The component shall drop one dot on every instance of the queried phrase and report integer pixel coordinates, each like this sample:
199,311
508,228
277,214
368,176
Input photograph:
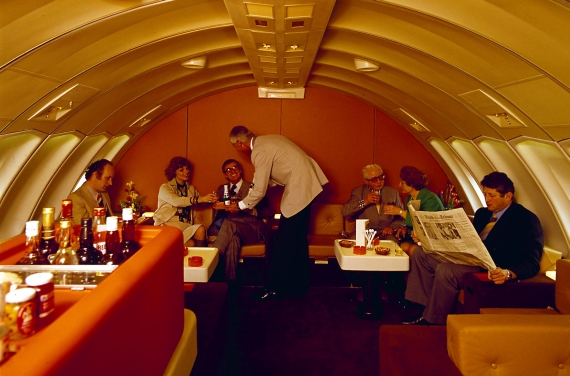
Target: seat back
326,219
562,293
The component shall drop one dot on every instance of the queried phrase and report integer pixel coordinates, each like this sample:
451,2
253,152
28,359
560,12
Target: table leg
371,306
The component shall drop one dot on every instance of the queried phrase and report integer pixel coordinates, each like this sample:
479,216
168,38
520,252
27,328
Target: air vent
64,103
492,109
265,92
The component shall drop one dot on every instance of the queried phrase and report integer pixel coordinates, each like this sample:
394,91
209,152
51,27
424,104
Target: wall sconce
365,66
195,63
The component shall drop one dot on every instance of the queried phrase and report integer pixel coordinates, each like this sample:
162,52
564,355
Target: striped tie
99,199
488,227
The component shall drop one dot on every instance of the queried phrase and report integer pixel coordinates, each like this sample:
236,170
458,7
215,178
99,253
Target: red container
195,261
359,250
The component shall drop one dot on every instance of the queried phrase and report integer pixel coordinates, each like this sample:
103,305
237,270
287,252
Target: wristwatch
401,211
509,275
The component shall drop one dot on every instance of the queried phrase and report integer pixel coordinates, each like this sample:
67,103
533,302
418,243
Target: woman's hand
209,198
401,233
394,210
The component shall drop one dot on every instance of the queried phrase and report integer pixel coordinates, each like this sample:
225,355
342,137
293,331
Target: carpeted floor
319,334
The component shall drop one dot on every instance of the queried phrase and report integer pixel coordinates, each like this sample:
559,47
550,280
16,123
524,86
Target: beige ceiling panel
143,93
75,52
26,27
465,122
537,32
15,93
259,10
450,43
541,99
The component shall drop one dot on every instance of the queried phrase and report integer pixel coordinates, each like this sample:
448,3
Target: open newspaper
449,236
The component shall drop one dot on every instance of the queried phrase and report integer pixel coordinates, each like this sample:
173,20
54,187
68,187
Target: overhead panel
280,40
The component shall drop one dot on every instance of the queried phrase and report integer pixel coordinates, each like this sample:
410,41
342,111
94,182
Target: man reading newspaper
510,233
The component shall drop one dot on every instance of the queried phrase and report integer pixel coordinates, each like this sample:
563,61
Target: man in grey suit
368,200
98,176
277,160
233,228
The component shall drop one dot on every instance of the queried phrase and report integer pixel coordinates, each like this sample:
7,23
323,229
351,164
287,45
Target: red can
43,284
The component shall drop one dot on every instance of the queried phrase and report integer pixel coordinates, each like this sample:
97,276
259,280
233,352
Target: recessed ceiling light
195,63
365,65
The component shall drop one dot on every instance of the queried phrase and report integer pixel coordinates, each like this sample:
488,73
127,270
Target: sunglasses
376,179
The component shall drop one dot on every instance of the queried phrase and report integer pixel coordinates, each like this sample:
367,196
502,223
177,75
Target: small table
200,273
371,307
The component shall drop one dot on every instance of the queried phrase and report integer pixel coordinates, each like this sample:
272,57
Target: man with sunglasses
233,228
367,202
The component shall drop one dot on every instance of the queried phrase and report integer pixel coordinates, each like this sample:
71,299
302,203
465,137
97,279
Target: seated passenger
93,193
413,183
175,200
368,200
232,227
511,233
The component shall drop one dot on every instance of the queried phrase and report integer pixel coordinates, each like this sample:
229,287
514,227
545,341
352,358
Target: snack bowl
383,251
346,243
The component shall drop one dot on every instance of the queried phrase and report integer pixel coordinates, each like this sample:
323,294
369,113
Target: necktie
233,190
488,227
99,199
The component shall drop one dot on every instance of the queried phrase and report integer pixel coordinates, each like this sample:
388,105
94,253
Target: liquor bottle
32,255
66,254
128,246
113,256
67,215
48,244
226,194
87,253
99,229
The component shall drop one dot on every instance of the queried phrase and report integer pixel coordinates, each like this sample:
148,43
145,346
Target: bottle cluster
94,241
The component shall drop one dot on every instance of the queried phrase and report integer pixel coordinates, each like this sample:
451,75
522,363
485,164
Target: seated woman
175,200
413,182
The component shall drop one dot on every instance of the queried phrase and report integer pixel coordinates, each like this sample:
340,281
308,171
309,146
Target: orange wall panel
341,133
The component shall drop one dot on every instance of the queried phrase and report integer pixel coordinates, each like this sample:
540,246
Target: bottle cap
86,222
32,228
39,279
20,295
64,224
112,223
99,211
66,208
127,214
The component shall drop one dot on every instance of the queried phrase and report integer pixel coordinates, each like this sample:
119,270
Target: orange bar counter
130,324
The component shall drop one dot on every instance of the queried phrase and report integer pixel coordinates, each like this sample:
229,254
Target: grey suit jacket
84,203
377,220
278,159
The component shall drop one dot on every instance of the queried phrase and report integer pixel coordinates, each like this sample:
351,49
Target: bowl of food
346,243
383,251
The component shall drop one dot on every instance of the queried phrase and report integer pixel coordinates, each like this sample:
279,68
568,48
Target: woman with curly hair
175,200
413,182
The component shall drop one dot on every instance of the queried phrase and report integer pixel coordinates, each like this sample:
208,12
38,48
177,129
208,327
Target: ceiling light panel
284,33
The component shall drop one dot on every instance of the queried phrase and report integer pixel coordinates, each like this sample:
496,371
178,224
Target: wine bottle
99,229
87,253
67,215
226,194
48,243
113,255
66,255
128,246
32,255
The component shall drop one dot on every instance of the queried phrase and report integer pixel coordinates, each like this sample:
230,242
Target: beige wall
341,133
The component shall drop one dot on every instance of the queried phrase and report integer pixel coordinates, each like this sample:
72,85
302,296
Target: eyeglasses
233,168
376,179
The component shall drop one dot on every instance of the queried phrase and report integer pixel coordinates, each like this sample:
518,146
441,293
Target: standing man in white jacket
278,159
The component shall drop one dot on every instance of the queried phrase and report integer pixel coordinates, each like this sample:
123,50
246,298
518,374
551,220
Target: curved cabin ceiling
478,82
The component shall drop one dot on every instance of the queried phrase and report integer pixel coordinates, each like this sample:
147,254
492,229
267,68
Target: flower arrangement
134,200
450,198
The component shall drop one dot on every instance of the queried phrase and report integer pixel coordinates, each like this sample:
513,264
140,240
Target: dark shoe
264,295
416,320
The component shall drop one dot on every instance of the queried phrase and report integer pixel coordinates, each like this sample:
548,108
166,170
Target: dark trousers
289,259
